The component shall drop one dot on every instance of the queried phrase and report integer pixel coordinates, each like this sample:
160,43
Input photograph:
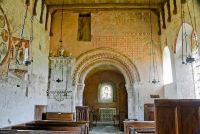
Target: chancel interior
79,66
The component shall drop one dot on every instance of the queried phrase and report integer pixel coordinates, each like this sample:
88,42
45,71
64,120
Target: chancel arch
101,57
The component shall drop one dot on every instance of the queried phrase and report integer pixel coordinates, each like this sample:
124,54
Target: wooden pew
130,127
144,131
49,128
37,132
149,110
58,116
177,116
53,125
84,125
82,113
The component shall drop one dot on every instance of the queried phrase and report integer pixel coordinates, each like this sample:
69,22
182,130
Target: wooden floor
105,128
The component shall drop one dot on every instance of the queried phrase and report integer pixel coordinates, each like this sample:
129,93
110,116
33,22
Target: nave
171,116
67,66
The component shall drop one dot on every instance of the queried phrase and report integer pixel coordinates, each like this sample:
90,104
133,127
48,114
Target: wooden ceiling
103,4
59,2
157,6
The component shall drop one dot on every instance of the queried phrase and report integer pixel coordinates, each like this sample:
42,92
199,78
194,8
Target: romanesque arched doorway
109,57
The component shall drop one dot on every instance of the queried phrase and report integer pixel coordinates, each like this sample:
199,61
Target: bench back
177,116
60,116
138,125
37,132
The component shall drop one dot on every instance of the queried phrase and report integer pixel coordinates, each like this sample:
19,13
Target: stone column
131,112
73,98
132,101
79,98
136,88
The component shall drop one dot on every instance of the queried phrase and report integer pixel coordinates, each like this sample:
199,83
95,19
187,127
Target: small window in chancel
105,93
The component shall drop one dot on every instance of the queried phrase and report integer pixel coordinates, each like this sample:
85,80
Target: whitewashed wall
61,69
17,102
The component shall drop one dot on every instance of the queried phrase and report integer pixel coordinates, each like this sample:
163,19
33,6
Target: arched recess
184,72
105,56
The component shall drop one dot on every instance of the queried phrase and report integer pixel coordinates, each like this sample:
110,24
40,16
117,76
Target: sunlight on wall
196,67
184,69
167,67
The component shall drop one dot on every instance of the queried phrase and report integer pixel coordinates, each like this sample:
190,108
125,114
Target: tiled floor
105,129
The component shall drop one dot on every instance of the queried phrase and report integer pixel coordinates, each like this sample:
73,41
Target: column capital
80,85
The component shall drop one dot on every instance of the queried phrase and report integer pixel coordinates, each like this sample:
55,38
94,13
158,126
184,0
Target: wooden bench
177,116
130,127
84,125
141,131
37,132
53,125
149,110
51,128
58,116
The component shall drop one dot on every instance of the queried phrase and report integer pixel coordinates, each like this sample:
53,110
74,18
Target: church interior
81,66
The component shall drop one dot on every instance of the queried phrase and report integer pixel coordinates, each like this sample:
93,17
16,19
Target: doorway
106,96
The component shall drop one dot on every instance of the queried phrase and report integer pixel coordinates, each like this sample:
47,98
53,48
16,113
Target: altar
107,114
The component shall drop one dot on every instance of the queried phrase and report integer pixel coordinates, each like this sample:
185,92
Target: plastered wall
184,81
19,95
125,31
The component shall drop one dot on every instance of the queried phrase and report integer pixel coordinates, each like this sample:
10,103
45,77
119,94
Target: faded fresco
12,48
4,43
16,66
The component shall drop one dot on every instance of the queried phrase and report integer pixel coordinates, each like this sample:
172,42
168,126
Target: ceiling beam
34,7
169,11
42,11
163,15
99,6
157,12
47,18
175,7
51,23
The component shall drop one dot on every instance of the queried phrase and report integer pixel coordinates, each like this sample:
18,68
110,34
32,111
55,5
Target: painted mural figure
106,93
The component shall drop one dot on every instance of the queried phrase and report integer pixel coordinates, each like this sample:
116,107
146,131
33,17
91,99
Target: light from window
167,67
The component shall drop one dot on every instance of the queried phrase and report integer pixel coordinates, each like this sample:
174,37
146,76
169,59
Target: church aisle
105,129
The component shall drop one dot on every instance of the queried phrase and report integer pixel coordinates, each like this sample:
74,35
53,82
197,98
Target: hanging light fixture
61,49
153,76
185,37
60,67
59,94
26,61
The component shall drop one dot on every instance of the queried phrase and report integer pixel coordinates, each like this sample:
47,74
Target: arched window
105,93
167,67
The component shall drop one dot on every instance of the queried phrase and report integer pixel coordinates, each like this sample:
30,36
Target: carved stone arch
106,56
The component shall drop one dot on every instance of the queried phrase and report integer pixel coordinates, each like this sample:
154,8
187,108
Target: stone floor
105,129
